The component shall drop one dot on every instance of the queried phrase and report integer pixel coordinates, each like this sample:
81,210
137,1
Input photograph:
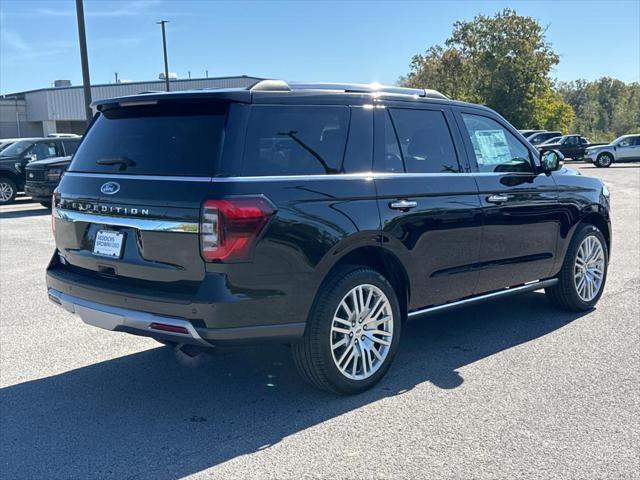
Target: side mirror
550,161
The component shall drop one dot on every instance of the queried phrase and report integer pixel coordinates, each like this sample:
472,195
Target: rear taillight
229,227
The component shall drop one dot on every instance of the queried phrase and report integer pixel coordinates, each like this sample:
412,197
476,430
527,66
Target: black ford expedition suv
323,216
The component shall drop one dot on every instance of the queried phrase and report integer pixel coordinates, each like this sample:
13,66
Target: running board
528,287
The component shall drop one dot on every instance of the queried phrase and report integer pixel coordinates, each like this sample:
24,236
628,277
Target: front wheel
8,191
604,160
352,333
584,272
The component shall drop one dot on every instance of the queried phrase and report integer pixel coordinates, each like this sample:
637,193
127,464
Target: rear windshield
171,139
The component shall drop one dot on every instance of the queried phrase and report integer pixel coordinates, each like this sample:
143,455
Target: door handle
403,205
497,198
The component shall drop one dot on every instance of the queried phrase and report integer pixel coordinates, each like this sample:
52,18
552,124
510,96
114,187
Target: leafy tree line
605,108
504,61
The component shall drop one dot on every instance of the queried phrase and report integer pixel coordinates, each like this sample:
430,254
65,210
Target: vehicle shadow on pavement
37,211
145,416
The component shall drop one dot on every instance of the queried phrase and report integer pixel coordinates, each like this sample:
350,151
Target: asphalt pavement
509,389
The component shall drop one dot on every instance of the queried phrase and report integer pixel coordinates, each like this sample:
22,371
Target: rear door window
165,139
425,141
295,140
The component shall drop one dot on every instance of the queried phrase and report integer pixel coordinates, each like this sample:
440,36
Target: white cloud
128,9
14,40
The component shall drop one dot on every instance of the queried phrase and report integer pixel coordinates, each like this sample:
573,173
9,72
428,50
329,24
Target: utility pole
86,81
116,74
189,74
207,73
164,48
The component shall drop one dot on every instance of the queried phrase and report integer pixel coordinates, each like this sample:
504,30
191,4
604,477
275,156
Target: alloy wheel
605,160
361,332
6,192
588,270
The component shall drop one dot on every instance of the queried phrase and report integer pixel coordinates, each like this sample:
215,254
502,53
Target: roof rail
283,86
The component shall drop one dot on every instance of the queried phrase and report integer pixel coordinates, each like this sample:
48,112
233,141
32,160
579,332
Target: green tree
605,108
502,61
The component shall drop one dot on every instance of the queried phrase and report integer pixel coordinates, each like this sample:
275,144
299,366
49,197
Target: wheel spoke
347,353
342,342
346,331
344,322
346,308
380,341
377,322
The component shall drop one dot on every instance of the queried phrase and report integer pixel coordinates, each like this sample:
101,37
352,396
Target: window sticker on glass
491,147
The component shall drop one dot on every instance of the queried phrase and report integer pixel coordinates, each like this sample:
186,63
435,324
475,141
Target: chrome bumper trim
110,318
153,225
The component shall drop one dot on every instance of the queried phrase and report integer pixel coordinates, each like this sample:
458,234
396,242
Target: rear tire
46,205
8,191
337,353
604,160
583,275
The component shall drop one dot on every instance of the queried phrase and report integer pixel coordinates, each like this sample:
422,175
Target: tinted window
295,140
496,149
359,154
425,141
70,146
167,139
627,142
16,148
44,150
392,157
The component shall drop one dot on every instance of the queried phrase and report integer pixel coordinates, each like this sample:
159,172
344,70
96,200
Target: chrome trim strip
145,224
339,176
535,285
115,176
109,318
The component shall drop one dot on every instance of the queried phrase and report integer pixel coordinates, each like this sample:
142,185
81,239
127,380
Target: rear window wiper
124,162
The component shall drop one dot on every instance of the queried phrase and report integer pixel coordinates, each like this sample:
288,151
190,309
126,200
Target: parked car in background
572,146
541,137
301,214
5,142
623,149
528,133
551,140
14,159
43,176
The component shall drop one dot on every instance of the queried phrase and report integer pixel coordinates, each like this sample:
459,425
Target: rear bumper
158,326
214,316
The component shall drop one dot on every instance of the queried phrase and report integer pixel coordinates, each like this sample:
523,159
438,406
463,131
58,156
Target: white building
40,112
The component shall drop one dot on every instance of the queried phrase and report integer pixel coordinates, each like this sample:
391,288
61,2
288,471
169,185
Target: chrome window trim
116,176
145,224
272,178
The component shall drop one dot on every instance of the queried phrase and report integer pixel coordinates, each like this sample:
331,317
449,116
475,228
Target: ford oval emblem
110,188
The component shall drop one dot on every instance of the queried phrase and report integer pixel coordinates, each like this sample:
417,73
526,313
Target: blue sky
324,41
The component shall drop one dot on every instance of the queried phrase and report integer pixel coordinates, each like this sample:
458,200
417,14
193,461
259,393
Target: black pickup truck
15,158
571,146
43,177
